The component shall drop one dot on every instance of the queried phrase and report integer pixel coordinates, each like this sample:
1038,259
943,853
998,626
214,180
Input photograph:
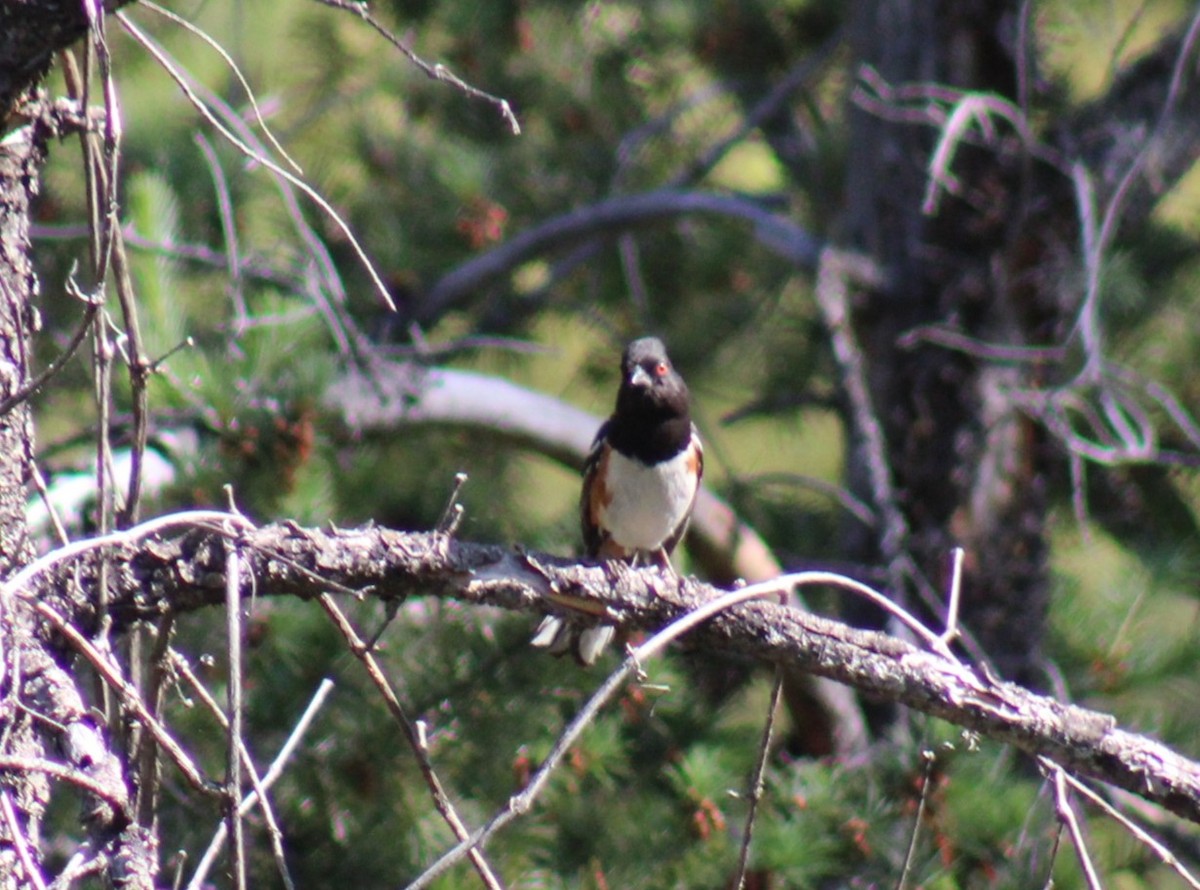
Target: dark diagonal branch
612,217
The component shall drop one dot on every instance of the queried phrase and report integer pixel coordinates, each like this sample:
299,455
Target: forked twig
268,779
438,71
237,72
160,56
259,795
1165,855
413,733
128,695
1062,805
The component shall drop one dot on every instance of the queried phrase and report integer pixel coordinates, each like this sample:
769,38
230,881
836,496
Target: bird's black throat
650,432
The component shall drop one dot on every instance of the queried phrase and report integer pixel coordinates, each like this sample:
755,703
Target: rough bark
992,263
188,572
30,33
21,155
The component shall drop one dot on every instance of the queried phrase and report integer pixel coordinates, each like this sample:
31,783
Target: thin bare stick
835,271
436,71
1088,322
1062,805
228,231
756,781
452,515
17,835
1160,850
951,631
842,496
164,60
930,758
413,735
149,773
139,371
233,778
181,666
237,72
81,865
56,364
65,773
272,774
39,482
128,695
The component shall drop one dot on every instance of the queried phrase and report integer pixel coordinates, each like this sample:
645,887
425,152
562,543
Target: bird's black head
651,389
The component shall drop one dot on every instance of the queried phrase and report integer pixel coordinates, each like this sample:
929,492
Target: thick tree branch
187,572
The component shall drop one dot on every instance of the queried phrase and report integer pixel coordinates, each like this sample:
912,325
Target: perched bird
639,484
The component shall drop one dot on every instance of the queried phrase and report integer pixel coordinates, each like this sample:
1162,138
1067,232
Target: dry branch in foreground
187,571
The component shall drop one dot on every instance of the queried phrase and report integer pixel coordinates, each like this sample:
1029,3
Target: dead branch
186,572
612,217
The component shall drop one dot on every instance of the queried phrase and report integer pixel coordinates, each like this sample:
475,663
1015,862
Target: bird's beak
639,377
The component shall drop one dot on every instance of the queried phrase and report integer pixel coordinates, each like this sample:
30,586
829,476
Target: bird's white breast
648,502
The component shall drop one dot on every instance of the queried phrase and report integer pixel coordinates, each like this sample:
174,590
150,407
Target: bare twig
951,631
147,753
452,515
57,364
181,666
17,835
436,71
413,735
182,81
836,273
841,495
81,865
614,216
128,695
233,777
237,295
268,779
971,108
756,780
910,855
192,28
1160,850
59,771
39,482
1062,805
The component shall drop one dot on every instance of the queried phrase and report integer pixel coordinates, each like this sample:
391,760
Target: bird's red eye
661,369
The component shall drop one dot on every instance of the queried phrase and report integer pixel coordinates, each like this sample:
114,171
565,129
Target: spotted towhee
639,484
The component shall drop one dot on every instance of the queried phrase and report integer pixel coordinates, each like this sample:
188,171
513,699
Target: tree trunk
967,469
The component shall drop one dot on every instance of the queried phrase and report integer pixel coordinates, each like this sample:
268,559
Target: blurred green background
613,98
